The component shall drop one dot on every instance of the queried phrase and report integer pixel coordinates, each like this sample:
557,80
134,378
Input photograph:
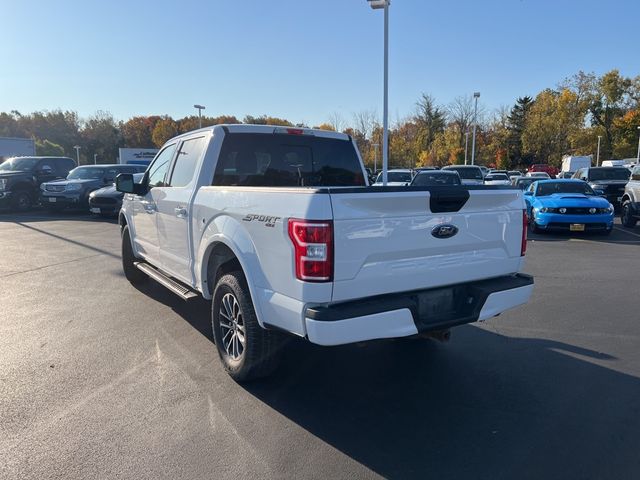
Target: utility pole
598,154
466,145
77,147
200,108
95,158
375,157
476,95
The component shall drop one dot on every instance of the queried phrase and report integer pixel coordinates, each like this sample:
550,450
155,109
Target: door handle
181,212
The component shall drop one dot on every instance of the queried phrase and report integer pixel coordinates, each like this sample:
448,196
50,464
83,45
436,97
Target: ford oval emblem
444,231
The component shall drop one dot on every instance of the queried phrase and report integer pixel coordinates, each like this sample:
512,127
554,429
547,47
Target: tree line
563,120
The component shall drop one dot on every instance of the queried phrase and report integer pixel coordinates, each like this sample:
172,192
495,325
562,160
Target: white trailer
572,164
138,156
16,147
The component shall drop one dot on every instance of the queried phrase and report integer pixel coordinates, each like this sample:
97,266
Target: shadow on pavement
482,406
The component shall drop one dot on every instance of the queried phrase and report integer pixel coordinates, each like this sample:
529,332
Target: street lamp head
476,94
377,4
201,107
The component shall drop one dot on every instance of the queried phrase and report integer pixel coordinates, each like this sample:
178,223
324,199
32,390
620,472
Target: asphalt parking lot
99,379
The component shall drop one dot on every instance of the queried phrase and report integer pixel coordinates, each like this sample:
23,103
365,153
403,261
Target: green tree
430,119
47,148
101,136
516,124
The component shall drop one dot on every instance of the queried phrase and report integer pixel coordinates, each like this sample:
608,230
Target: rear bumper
409,313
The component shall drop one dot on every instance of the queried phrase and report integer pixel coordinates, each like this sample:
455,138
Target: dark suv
75,189
611,180
630,213
20,178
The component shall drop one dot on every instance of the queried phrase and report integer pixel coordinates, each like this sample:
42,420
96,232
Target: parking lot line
626,231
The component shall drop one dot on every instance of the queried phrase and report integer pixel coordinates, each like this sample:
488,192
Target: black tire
626,217
21,201
259,354
134,275
532,224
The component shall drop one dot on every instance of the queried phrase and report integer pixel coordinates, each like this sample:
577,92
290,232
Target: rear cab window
281,160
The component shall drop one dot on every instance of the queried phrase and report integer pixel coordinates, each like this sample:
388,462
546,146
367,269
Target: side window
46,164
186,162
65,165
110,174
635,175
159,167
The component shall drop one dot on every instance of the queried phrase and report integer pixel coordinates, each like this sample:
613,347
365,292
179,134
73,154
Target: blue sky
299,59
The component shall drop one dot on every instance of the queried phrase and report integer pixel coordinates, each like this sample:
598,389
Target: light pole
638,156
466,145
77,147
200,108
95,158
476,95
598,154
375,157
377,4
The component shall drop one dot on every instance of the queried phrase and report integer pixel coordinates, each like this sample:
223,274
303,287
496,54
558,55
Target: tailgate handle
449,200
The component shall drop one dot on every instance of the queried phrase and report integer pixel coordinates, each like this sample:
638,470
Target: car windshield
17,164
85,173
468,173
496,176
524,183
404,177
609,174
549,188
430,179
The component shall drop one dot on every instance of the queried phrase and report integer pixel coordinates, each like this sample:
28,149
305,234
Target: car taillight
523,247
313,249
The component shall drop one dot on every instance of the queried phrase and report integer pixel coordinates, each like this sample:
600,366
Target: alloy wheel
232,326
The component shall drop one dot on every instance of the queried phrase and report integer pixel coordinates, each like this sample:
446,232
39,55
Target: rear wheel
626,215
247,350
22,201
134,275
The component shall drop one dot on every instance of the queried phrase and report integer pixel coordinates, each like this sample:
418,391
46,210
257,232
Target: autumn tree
138,131
164,129
101,135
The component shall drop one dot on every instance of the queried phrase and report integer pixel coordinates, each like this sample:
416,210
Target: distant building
16,147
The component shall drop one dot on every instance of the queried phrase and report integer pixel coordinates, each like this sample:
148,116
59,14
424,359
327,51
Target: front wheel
533,225
22,201
132,274
626,216
247,350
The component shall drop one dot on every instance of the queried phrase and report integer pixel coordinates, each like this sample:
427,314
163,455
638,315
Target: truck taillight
313,249
523,247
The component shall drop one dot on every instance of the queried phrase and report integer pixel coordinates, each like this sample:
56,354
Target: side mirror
124,183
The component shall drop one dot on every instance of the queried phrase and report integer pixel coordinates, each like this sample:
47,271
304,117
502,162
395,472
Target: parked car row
56,183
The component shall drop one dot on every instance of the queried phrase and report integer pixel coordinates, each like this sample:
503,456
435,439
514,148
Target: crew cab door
144,207
174,210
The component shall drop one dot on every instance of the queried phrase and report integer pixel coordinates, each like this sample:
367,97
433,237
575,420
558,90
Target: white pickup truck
279,227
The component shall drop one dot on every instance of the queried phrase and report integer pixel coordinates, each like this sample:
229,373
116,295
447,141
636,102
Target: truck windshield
404,177
284,160
85,173
609,174
549,188
19,164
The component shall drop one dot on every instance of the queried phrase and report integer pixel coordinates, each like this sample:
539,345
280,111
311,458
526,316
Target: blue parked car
567,205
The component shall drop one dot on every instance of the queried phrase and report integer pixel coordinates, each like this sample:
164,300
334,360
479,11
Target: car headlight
609,209
3,183
549,210
72,187
544,210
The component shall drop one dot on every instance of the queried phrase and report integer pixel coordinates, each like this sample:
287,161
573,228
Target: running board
167,282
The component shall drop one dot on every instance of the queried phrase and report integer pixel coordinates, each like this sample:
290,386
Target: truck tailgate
385,242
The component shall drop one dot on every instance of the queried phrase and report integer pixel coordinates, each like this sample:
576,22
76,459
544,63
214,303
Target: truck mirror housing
124,183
